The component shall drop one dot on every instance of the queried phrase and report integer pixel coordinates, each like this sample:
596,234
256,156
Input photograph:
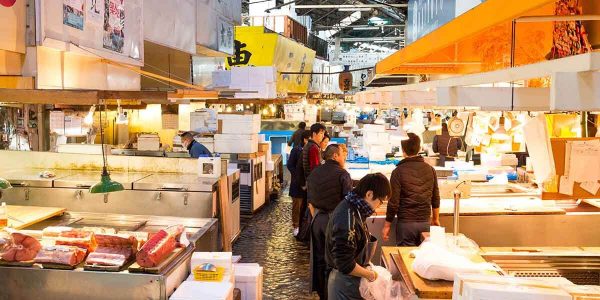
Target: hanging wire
512,62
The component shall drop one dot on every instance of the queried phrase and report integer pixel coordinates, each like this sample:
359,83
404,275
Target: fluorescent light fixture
366,28
354,9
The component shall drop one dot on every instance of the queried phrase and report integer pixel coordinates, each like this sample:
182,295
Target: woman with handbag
349,245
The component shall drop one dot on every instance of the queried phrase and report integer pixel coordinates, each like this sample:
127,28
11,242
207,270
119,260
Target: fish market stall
87,255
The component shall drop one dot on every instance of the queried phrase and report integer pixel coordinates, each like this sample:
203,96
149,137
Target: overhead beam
372,39
336,6
323,27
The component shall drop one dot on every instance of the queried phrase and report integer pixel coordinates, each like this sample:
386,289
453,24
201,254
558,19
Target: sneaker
296,231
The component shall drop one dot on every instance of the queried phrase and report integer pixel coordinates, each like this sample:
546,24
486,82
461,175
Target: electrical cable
330,73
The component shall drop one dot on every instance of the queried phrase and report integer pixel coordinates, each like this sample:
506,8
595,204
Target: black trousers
409,233
320,271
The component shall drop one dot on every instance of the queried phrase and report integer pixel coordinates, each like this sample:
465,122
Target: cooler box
238,123
249,279
198,290
236,143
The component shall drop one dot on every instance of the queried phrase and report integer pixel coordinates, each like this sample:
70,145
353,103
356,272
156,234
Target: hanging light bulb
501,134
89,118
106,185
4,184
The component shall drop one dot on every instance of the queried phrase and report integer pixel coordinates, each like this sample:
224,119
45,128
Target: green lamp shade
106,185
4,184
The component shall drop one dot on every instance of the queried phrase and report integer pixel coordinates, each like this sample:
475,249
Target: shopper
347,237
415,196
446,146
325,142
311,153
196,149
297,193
296,138
327,186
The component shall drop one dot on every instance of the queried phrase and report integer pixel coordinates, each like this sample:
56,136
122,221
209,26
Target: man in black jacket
415,196
297,182
327,186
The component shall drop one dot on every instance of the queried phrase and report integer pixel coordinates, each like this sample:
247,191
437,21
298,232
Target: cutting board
135,268
424,289
20,217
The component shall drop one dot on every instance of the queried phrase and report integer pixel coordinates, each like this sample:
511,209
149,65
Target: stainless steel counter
39,283
182,195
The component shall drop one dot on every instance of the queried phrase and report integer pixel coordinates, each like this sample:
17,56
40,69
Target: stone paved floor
267,239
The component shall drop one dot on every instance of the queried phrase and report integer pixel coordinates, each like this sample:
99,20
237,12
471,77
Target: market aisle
267,239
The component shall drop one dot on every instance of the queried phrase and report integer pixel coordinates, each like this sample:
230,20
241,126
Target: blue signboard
425,16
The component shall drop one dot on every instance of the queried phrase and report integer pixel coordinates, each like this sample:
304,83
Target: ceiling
327,15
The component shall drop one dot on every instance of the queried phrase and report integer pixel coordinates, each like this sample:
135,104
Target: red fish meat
117,241
78,238
24,248
158,247
62,255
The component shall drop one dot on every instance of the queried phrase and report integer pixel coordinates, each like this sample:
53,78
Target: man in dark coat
447,146
297,192
415,196
327,186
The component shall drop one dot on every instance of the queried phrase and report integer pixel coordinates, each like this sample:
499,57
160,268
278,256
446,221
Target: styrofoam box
199,290
236,143
489,287
238,123
148,143
219,259
209,167
249,279
270,166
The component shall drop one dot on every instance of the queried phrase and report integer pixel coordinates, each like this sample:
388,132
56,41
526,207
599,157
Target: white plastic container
236,143
148,142
219,259
238,123
249,279
198,290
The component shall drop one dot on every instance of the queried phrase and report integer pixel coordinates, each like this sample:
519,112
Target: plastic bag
384,288
434,262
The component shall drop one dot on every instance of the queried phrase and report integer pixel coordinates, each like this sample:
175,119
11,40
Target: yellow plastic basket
201,275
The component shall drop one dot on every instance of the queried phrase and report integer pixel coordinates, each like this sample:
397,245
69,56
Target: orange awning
476,41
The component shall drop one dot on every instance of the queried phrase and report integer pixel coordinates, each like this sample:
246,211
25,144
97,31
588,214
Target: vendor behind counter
196,149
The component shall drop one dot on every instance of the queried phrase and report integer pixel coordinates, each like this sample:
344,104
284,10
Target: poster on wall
73,13
225,37
114,25
95,11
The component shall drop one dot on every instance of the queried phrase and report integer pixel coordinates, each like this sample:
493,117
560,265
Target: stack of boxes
247,277
376,141
237,133
203,121
254,82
